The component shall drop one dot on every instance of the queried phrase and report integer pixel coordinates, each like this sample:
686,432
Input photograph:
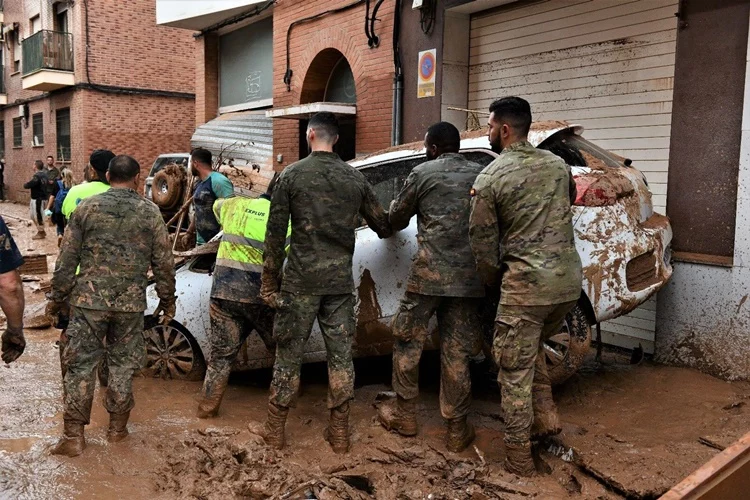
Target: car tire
172,352
566,351
166,189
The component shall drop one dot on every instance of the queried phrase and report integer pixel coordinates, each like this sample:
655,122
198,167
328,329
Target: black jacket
38,186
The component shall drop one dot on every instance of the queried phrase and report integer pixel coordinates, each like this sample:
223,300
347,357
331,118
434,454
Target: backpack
62,192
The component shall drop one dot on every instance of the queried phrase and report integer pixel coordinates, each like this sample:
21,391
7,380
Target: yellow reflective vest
243,221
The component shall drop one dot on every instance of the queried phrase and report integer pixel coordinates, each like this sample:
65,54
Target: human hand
48,213
13,344
167,311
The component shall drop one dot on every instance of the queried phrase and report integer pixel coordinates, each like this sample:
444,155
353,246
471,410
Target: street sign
426,70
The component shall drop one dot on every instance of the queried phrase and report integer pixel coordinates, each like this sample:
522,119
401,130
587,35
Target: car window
578,152
203,263
387,179
160,163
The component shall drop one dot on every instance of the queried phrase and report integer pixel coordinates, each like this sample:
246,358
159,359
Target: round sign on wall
427,66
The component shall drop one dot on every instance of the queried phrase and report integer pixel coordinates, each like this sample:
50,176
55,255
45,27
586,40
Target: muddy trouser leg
460,339
126,353
337,323
81,355
552,325
409,328
60,221
226,337
518,331
294,320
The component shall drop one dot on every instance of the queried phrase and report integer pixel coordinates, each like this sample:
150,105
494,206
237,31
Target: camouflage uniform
443,281
325,198
115,237
521,228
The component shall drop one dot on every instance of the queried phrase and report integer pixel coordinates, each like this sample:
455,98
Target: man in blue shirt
11,296
211,187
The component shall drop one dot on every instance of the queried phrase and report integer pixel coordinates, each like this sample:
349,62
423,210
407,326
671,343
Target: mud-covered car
623,244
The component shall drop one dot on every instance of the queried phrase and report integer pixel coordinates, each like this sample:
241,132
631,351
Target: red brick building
91,74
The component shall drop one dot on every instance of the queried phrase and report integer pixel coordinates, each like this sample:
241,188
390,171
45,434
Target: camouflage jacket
325,197
521,227
437,192
115,237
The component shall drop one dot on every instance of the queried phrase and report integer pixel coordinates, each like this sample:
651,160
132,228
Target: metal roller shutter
606,64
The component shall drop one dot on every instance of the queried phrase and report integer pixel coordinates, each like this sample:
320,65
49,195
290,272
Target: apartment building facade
86,74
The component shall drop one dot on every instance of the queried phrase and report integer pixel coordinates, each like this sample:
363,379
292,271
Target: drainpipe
398,81
398,89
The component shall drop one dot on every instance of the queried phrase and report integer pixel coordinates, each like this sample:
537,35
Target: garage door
606,64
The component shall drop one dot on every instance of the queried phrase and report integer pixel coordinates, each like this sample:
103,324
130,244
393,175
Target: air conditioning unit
22,111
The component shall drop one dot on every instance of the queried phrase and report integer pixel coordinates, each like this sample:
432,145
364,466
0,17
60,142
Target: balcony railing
47,49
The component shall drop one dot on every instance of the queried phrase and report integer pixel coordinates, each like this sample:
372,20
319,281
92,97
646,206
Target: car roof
182,155
476,139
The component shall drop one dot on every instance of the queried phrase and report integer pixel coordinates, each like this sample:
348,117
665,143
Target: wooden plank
640,24
626,132
613,15
700,258
614,112
592,124
637,80
628,144
637,333
660,42
34,264
629,321
725,477
661,97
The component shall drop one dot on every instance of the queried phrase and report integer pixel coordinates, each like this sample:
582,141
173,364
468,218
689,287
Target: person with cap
115,238
96,177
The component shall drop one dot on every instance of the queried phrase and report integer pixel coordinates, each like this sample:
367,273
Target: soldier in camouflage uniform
443,282
325,198
522,235
115,237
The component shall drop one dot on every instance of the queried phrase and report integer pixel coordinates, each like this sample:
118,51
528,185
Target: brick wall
126,48
372,69
206,78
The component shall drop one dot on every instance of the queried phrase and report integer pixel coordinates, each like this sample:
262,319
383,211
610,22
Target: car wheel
565,351
172,353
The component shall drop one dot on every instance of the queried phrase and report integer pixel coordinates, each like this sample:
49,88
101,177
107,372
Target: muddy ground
629,430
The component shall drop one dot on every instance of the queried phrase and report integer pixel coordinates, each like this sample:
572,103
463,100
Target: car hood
475,139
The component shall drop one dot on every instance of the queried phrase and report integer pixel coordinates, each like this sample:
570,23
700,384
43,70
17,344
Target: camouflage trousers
295,316
93,336
231,324
518,349
460,338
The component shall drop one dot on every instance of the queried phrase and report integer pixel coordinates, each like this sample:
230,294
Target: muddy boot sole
261,430
116,437
69,447
338,447
206,410
390,419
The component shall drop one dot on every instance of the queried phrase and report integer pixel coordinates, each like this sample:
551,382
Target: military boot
399,416
118,427
460,434
211,400
72,443
518,459
40,235
272,431
546,422
337,433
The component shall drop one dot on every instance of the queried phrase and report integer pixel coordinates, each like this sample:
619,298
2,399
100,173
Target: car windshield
578,152
162,162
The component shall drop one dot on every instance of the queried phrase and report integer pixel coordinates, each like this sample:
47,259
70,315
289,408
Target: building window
63,134
36,24
2,139
37,121
17,131
61,21
246,66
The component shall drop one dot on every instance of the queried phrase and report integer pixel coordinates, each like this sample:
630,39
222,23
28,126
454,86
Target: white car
623,244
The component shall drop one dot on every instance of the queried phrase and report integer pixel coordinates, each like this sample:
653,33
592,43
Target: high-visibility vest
243,221
81,192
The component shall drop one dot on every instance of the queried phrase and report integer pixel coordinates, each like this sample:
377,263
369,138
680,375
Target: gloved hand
48,213
13,344
167,311
269,291
271,299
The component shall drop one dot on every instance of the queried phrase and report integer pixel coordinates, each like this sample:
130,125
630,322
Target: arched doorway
330,79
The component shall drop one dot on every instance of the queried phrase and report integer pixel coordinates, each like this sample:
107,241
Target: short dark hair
123,168
326,125
514,111
39,164
445,136
202,155
50,156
